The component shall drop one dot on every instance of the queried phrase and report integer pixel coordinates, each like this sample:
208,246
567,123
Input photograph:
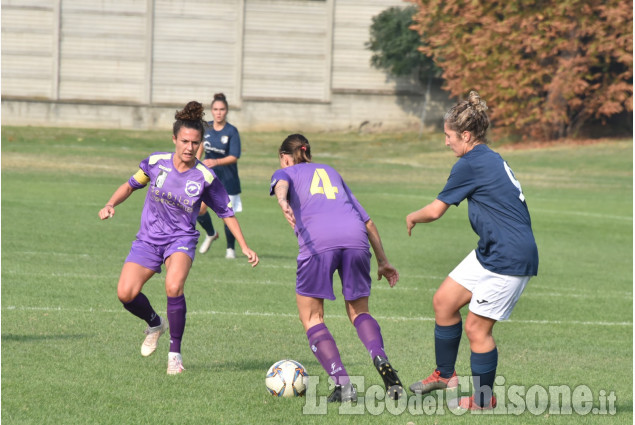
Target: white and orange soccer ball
286,378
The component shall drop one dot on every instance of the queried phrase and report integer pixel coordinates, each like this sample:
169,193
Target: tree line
546,67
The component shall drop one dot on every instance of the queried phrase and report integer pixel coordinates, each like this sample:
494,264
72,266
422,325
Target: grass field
70,352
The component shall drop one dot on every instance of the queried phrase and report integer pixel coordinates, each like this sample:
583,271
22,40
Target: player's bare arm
281,190
384,268
234,227
431,212
121,194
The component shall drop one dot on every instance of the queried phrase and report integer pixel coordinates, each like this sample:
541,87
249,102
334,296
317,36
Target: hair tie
303,148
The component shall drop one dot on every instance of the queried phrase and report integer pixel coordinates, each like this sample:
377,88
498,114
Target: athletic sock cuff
314,329
448,332
484,362
360,318
176,300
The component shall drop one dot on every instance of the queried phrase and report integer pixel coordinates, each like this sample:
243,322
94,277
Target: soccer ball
286,378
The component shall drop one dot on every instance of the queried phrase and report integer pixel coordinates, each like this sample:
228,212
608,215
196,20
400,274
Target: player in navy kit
333,232
220,151
167,234
492,277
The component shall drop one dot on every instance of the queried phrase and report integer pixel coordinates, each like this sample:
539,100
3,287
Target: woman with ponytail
220,151
492,277
333,232
179,183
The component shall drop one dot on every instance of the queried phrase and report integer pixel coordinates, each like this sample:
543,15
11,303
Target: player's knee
310,320
441,305
475,334
125,296
173,289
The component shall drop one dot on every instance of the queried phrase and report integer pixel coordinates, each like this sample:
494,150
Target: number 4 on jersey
326,189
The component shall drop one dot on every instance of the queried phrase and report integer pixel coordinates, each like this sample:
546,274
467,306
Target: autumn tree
544,66
395,49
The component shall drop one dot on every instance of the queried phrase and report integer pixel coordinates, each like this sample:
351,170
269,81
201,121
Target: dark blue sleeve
460,184
234,143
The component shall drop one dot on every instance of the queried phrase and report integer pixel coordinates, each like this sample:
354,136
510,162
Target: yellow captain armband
141,177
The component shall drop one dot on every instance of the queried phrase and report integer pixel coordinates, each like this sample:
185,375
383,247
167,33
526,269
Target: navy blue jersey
220,144
497,210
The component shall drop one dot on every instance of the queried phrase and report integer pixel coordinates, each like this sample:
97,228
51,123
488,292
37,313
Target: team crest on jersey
161,179
192,188
224,139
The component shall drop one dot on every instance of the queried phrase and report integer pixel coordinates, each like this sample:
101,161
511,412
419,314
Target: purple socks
369,333
325,350
176,319
141,308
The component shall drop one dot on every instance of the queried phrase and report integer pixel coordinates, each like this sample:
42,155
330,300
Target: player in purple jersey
493,276
333,232
167,234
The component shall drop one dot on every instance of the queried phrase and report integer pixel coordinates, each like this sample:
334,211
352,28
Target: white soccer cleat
152,338
231,254
175,364
207,242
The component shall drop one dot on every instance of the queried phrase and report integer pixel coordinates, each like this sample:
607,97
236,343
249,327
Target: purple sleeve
215,197
362,212
141,178
278,175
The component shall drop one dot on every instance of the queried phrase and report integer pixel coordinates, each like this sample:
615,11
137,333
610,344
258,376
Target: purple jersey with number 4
327,215
174,198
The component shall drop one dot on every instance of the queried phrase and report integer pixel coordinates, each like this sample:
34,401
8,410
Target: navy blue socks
484,374
446,347
206,223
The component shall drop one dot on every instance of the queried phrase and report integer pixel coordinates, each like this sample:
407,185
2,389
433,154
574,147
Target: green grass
70,352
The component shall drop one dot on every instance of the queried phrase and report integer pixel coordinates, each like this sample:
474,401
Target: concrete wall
283,64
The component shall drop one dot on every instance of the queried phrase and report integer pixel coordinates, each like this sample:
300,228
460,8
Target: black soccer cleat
344,394
394,389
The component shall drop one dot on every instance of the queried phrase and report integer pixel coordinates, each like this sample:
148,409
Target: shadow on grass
30,338
279,257
238,365
625,406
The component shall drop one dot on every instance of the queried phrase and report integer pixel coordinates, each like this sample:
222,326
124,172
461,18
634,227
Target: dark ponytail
298,147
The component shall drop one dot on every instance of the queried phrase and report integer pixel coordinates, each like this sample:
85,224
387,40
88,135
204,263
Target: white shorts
493,295
237,204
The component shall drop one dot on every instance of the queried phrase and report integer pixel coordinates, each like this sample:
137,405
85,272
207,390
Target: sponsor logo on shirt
161,179
192,188
213,149
184,248
173,200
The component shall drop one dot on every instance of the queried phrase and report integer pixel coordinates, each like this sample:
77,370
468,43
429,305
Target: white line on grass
378,286
294,316
583,214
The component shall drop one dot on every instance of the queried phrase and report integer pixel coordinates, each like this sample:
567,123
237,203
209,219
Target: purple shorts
152,256
315,274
